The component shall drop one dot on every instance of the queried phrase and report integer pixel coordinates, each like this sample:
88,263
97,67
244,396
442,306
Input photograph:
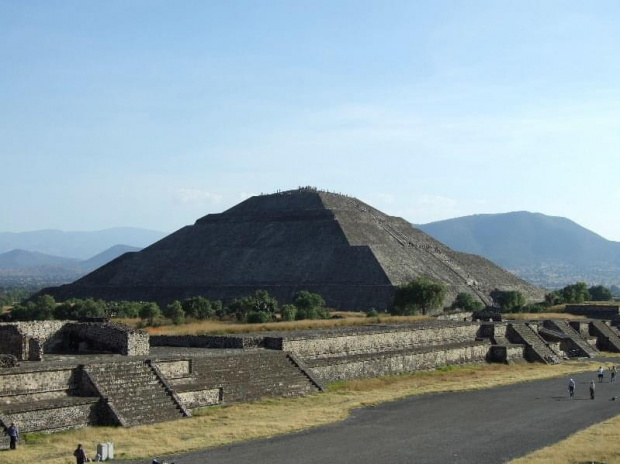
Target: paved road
486,426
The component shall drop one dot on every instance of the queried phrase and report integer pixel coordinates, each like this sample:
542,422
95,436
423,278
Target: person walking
613,373
13,434
80,455
601,374
571,388
592,388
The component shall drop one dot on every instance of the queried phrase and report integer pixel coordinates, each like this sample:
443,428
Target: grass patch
598,443
238,422
228,327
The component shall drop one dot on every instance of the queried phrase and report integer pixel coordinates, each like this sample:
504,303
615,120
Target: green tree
508,301
576,293
467,302
149,311
421,295
600,293
198,307
174,311
288,312
310,306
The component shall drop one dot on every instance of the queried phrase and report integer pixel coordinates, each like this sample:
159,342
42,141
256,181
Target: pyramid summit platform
306,239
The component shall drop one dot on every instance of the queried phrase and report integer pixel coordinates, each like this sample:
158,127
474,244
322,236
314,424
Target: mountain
78,245
106,256
545,250
21,260
32,268
349,252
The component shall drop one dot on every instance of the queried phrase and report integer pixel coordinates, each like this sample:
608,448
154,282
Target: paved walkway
475,427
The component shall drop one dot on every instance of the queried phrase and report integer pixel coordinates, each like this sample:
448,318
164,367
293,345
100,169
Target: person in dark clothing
13,434
613,374
592,388
571,388
80,455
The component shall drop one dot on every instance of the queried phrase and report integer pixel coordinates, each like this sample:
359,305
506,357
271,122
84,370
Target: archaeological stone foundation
60,375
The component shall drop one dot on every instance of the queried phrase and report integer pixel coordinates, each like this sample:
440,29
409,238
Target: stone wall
594,311
506,353
29,341
49,417
377,340
29,384
201,398
209,341
353,367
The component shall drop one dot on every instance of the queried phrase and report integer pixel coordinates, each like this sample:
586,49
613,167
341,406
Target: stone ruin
28,341
137,386
349,252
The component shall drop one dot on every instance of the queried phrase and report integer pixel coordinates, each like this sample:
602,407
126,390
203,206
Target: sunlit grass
228,327
598,443
224,425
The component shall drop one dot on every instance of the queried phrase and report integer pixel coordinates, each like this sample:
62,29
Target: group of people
601,378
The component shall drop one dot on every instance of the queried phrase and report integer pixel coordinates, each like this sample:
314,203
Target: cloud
192,196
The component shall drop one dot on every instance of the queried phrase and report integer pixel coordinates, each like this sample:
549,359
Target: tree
467,302
509,301
174,311
149,311
261,301
576,293
310,306
288,312
198,307
421,295
600,293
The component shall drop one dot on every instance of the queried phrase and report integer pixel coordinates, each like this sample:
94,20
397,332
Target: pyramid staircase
581,348
135,393
536,348
607,338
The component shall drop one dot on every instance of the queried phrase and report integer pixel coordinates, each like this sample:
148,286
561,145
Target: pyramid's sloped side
491,277
231,255
351,253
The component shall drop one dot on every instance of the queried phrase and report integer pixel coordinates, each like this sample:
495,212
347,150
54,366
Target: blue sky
155,113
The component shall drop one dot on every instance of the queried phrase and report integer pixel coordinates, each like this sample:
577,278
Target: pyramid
349,252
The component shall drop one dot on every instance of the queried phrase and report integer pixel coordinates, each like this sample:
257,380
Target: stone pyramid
351,253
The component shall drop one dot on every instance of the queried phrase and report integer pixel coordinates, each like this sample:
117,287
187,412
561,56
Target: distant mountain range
53,257
30,267
545,250
77,245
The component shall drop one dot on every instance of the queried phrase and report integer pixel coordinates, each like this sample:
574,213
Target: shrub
258,317
288,312
421,295
467,302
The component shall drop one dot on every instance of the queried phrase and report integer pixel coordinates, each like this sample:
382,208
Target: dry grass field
230,327
596,444
223,425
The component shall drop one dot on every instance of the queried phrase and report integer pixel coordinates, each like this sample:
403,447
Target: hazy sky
155,113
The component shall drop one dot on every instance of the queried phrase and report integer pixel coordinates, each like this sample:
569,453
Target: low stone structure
29,341
197,371
595,311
